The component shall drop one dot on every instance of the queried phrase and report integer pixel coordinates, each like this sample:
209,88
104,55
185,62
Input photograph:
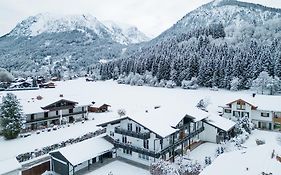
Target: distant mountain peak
53,23
131,32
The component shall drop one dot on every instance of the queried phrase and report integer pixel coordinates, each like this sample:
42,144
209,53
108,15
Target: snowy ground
119,168
257,158
206,149
12,148
131,98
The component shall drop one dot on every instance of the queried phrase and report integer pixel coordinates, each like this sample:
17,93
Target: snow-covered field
132,98
119,168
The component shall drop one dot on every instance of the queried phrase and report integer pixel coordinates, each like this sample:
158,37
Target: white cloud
150,16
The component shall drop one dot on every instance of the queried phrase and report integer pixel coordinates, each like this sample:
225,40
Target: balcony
136,149
180,141
54,117
132,133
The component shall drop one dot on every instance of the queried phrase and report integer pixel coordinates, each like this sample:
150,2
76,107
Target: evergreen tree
12,116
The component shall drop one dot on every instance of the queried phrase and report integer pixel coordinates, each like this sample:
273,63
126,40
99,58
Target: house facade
56,113
141,143
262,117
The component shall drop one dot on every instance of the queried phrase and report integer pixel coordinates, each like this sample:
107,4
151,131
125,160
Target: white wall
209,134
135,157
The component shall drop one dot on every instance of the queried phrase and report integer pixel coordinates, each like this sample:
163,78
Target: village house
160,133
265,115
53,113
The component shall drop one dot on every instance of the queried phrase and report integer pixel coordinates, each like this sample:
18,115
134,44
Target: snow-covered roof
9,165
31,104
256,160
163,119
220,122
263,102
85,150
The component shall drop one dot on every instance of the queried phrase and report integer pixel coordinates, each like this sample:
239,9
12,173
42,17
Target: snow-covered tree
274,86
244,123
11,115
121,112
170,84
234,84
203,104
191,84
261,82
5,76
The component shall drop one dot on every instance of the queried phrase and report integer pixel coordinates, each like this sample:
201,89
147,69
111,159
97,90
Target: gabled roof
85,150
163,121
253,106
53,105
220,122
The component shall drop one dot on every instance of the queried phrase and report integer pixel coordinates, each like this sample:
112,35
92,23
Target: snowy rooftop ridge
220,122
85,150
168,116
262,102
9,165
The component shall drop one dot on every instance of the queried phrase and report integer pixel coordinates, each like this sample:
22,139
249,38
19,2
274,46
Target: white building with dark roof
264,113
71,159
159,133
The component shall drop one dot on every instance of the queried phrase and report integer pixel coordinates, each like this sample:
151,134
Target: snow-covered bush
191,84
121,112
244,123
170,84
5,76
203,104
179,167
153,82
162,83
121,79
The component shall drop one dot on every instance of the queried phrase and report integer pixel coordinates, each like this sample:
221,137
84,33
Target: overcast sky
151,16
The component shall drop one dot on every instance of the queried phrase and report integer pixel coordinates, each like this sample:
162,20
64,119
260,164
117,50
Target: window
139,155
83,109
265,114
111,133
138,129
241,105
245,114
57,112
236,113
45,114
32,117
227,110
124,139
70,110
146,144
130,128
127,151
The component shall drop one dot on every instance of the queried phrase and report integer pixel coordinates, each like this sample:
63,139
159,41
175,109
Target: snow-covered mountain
68,41
234,15
219,42
132,33
50,23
